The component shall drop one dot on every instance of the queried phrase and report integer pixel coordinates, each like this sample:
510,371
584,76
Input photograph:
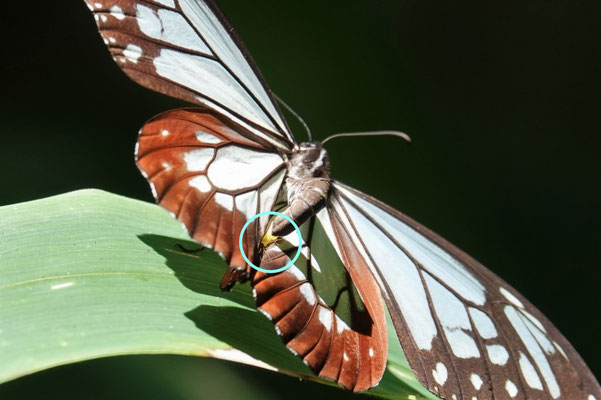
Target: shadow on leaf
200,271
241,328
247,331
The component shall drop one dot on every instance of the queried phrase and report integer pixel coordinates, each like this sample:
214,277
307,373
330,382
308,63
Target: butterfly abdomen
307,186
305,198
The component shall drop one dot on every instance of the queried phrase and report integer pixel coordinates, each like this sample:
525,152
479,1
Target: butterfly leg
234,275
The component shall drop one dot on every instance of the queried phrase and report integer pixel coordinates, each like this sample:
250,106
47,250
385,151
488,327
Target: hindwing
331,316
211,176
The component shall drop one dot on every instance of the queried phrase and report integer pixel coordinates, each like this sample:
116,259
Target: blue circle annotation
296,228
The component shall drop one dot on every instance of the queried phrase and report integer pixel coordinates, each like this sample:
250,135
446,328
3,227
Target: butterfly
465,332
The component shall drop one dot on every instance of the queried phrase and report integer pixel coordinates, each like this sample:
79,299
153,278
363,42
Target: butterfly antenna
402,135
287,107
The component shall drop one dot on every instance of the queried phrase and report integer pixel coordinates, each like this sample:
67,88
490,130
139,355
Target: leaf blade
90,274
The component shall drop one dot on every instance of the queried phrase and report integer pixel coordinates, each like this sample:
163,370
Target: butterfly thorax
307,186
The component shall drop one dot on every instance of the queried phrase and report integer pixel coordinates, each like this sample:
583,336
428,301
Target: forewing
187,49
465,332
212,177
330,316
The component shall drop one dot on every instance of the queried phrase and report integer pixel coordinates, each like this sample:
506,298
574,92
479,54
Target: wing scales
211,24
487,340
351,351
205,171
183,49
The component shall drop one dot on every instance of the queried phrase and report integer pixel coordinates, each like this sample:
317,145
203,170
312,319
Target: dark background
502,101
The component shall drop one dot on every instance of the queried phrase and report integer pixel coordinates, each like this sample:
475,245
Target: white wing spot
112,40
341,326
117,12
247,203
201,183
560,349
591,397
198,159
325,316
136,149
171,27
267,196
529,372
484,325
164,132
153,189
132,52
371,352
476,381
224,200
540,336
453,318
166,165
98,5
168,3
440,374
235,167
297,273
497,354
512,390
345,356
534,320
265,313
512,299
206,137
103,18
537,354
307,293
315,264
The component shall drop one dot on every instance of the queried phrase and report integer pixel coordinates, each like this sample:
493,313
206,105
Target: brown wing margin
136,43
528,358
354,356
204,171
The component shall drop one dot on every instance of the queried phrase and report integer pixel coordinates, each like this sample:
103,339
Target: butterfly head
310,160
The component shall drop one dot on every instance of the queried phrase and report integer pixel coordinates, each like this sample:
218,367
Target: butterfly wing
186,49
212,176
216,167
329,315
465,332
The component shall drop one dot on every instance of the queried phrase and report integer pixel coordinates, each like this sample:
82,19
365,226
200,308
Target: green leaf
90,274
